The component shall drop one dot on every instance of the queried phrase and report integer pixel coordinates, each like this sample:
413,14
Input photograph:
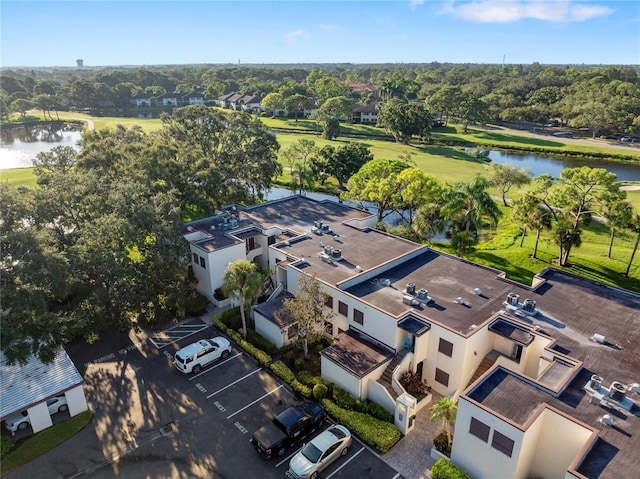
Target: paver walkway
411,457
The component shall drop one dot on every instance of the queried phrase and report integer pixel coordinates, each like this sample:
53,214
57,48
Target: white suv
192,358
21,420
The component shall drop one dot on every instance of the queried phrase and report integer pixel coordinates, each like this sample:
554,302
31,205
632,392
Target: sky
110,33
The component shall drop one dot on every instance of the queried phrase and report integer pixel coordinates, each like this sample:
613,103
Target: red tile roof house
401,306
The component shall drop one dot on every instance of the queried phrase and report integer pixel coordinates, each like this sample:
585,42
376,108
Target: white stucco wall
452,365
76,400
341,377
39,416
479,458
269,330
559,442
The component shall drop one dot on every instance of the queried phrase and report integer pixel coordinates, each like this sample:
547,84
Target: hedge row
368,420
445,470
378,434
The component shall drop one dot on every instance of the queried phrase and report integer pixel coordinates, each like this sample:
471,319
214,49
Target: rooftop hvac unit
325,228
513,299
411,288
233,223
328,250
596,382
617,391
336,254
422,294
529,305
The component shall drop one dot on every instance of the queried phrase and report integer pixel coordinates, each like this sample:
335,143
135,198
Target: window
196,258
292,332
251,244
442,377
479,429
358,316
343,309
329,302
202,263
445,347
271,240
502,443
328,328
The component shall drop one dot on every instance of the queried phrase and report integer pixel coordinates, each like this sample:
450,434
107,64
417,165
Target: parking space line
396,476
217,364
161,344
344,464
257,400
234,382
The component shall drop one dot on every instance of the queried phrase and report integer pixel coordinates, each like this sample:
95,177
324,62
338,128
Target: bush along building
546,376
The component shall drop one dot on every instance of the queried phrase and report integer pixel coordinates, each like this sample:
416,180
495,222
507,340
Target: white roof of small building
22,386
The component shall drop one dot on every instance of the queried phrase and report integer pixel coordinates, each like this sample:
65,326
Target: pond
541,164
20,144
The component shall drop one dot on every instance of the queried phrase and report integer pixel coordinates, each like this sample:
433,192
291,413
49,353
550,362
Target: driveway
151,421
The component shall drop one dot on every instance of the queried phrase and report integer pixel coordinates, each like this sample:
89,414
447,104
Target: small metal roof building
23,386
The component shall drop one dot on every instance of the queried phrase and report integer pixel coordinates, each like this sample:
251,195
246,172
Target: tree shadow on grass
514,273
525,140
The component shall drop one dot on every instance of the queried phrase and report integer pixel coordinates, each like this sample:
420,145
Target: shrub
445,470
5,445
441,442
380,435
376,410
319,391
260,341
196,305
301,388
283,372
299,364
413,384
344,398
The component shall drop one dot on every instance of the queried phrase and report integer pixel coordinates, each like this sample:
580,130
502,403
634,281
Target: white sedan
320,452
21,420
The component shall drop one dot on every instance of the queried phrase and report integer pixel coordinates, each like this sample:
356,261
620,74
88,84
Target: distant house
169,99
141,99
241,102
365,114
193,98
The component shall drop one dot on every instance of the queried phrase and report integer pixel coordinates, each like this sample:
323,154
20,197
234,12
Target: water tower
80,63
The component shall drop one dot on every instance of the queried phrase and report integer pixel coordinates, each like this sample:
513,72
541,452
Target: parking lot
151,420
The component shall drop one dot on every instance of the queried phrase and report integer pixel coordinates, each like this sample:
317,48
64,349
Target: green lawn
44,441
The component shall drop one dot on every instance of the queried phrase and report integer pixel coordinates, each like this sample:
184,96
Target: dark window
202,263
251,244
328,328
271,240
196,258
445,347
442,377
502,443
358,317
329,302
343,309
479,429
292,332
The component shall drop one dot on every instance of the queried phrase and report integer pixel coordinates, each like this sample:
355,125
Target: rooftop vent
459,300
529,306
598,338
513,299
617,391
607,420
385,281
477,291
336,254
359,268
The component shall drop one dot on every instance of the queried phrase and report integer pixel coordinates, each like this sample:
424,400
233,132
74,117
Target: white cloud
295,35
330,28
415,3
506,11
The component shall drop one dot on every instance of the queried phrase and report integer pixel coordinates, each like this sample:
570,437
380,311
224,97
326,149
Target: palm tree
530,211
429,222
463,241
445,410
242,280
467,203
633,225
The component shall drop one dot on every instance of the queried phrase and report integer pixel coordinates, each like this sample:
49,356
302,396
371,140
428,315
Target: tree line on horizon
603,99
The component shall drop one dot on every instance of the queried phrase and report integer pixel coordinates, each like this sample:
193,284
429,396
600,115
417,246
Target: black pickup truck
287,428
